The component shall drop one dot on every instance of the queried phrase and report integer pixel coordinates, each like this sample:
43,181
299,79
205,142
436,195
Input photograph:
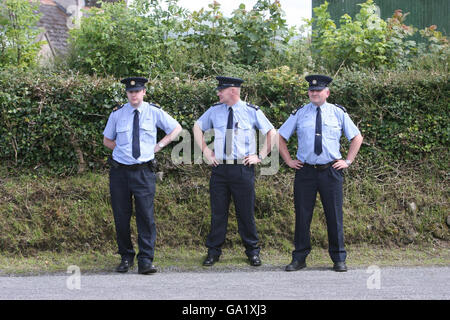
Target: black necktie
318,136
136,150
229,135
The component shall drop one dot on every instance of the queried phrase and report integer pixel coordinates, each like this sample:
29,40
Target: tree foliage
18,32
146,38
113,41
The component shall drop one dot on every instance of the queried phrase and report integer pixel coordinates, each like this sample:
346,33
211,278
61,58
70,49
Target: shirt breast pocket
306,127
245,136
148,131
220,128
331,128
243,128
123,134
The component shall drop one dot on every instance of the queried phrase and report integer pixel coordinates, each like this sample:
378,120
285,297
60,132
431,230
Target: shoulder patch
341,107
252,106
117,108
155,105
295,110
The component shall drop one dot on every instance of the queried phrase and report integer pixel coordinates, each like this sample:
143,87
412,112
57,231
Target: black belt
150,164
319,167
234,161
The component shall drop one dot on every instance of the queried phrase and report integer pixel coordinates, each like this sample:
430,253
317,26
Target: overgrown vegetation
368,41
390,207
175,40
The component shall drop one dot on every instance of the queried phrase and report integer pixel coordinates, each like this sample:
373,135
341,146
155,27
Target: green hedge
54,121
403,115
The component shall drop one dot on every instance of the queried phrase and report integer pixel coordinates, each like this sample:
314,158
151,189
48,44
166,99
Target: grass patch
74,213
190,259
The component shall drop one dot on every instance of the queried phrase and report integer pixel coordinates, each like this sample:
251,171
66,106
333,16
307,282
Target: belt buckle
316,166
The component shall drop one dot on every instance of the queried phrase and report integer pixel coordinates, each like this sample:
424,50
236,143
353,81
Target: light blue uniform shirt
247,120
120,128
303,122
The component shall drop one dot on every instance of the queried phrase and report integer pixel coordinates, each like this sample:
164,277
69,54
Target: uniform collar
313,106
321,106
139,109
234,106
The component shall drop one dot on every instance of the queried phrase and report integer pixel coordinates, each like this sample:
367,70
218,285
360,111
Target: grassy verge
190,259
391,217
73,214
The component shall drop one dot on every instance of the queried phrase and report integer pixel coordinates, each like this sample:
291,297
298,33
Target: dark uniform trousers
237,181
309,181
140,184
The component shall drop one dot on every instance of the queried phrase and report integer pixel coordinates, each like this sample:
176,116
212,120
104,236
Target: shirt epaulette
117,108
155,105
252,106
341,107
295,110
216,104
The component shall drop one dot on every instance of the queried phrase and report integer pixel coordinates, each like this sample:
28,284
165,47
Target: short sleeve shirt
303,122
120,128
247,121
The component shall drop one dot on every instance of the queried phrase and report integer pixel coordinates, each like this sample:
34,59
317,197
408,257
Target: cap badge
132,82
314,81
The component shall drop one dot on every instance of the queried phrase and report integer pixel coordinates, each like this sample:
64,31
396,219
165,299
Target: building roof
54,21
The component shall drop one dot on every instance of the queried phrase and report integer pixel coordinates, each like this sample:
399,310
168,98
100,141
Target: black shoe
255,260
340,266
124,266
146,268
210,260
295,265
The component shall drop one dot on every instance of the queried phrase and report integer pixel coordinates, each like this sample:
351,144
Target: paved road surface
243,284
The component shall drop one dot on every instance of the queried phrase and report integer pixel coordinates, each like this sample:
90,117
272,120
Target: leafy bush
434,53
368,41
53,120
402,115
146,39
257,36
113,41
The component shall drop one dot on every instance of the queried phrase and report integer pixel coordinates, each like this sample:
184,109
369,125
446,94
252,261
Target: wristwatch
161,145
348,162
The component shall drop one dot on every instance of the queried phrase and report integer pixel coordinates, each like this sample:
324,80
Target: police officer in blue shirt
131,133
319,166
234,124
